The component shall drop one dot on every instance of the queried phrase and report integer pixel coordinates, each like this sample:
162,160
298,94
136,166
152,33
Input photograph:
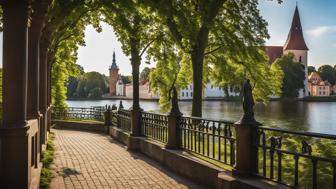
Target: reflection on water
307,116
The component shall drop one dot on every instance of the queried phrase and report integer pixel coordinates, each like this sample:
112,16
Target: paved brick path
91,160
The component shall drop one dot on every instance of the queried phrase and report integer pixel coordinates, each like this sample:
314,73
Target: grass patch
47,158
80,120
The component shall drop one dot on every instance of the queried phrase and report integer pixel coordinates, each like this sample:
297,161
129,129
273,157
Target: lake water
305,116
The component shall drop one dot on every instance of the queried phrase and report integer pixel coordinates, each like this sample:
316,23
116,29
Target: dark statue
248,104
121,105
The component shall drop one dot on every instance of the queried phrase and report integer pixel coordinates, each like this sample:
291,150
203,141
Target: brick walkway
91,160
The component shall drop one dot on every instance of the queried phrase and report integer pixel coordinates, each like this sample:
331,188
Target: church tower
296,44
113,76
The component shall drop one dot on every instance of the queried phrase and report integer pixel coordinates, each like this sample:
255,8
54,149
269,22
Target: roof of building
314,76
114,64
273,52
295,39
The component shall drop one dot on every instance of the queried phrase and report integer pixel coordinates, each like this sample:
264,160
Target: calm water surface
305,116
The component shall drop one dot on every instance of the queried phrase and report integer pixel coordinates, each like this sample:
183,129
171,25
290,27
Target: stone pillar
133,142
34,34
135,122
108,115
15,143
43,92
247,137
246,149
49,97
174,119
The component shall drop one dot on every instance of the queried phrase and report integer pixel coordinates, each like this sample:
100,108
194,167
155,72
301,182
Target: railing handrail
301,133
207,119
95,107
159,114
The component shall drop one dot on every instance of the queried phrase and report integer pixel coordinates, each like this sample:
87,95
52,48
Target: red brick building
113,76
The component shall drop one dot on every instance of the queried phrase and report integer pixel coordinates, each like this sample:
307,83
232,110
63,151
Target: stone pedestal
173,131
246,149
135,122
19,157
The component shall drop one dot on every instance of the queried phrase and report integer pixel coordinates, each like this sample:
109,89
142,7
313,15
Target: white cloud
322,30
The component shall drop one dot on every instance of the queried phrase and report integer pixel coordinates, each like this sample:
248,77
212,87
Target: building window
211,86
182,94
191,94
300,59
186,93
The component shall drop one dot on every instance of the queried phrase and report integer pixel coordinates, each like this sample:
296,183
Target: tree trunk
197,58
135,61
197,65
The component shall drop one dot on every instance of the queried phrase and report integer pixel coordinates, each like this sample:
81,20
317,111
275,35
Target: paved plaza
93,160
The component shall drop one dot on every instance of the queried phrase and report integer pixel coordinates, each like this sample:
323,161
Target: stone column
43,91
49,97
14,132
247,137
246,149
174,119
135,122
38,17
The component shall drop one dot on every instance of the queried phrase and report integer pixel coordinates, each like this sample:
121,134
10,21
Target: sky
318,19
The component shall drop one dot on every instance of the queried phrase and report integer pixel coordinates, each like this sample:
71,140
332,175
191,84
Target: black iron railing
75,113
124,120
294,159
154,126
209,138
297,159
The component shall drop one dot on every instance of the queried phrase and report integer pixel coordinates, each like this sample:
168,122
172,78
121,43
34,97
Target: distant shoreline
230,99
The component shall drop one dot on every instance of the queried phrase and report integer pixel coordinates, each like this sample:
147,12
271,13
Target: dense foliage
294,75
144,75
62,35
135,29
205,36
311,69
328,73
88,85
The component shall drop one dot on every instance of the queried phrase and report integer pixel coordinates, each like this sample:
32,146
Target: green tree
200,28
95,93
294,75
71,87
126,79
328,73
144,75
62,35
135,30
91,85
311,69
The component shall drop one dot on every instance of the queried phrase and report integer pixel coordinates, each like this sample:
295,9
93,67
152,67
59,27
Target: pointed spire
295,39
114,64
113,58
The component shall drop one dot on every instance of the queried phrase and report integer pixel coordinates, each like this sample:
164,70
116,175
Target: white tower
296,44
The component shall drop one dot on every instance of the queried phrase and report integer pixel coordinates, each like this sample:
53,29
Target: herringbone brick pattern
92,160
